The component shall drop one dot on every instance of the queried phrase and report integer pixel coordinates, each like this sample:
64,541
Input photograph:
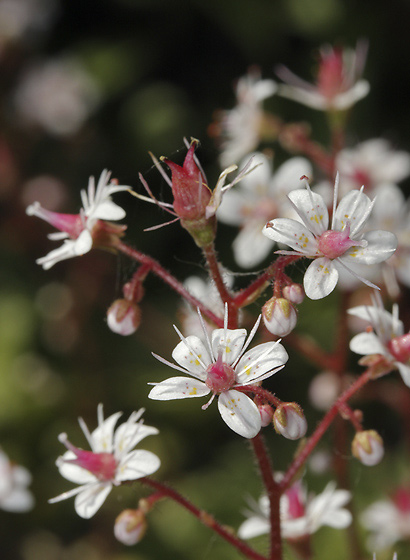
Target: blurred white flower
14,480
261,196
21,19
58,95
300,515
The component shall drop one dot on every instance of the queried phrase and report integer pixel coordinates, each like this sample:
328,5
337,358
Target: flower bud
130,526
367,446
266,412
191,197
279,316
123,317
294,293
290,421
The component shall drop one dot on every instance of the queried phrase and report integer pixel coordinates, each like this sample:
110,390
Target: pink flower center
73,224
399,347
101,465
401,500
221,376
330,79
295,504
333,244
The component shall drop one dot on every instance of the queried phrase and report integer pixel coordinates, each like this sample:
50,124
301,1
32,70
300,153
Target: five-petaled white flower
388,520
300,515
343,245
338,85
78,230
221,366
14,480
110,462
387,339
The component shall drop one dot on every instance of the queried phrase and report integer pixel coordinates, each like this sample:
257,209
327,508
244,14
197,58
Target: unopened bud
290,421
124,317
367,446
294,293
130,526
279,316
266,412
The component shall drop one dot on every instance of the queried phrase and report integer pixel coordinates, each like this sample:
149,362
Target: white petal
380,246
312,210
128,436
404,372
89,501
18,501
83,243
253,527
72,472
103,436
348,98
258,361
137,464
311,99
320,278
292,233
231,347
367,343
192,355
250,246
353,207
287,176
230,210
240,413
66,251
178,388
108,210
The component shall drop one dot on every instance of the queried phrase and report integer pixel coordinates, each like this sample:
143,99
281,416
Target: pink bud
294,293
124,317
191,193
400,347
266,412
290,421
367,446
279,316
130,526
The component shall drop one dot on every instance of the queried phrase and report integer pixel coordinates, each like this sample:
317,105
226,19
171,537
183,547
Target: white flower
338,86
77,229
372,163
14,480
59,95
110,462
343,244
259,197
219,366
300,515
387,339
241,125
388,520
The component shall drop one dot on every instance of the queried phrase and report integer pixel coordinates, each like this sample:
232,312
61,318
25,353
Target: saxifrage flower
81,231
342,245
110,462
221,366
14,480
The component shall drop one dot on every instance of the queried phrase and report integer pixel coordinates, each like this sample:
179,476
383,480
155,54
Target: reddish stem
273,492
322,428
204,518
162,273
348,414
265,395
215,273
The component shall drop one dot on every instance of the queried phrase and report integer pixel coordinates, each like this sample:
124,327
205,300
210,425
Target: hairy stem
205,518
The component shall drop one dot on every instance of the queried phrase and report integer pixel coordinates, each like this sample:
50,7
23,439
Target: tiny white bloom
77,229
343,244
14,480
300,515
220,366
241,125
338,84
260,196
111,461
387,338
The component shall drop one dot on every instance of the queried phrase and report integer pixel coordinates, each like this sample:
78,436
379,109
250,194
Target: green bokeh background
163,68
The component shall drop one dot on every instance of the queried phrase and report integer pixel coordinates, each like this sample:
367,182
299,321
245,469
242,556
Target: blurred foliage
160,70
